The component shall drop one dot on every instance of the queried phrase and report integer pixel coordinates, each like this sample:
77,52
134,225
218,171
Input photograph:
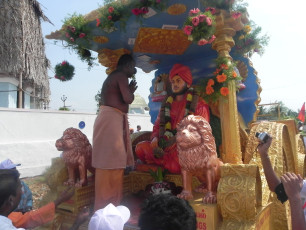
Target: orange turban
183,71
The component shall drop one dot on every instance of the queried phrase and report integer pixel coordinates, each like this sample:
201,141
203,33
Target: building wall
28,136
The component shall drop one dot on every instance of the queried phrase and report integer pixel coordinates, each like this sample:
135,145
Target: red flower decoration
64,63
72,39
211,9
82,35
224,91
109,17
236,15
136,11
110,9
98,22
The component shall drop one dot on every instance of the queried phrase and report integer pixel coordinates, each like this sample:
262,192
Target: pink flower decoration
62,77
67,35
195,21
202,42
136,11
208,21
72,28
202,17
82,35
144,10
236,15
64,63
194,11
72,39
212,39
211,9
188,30
56,77
242,86
110,9
109,17
158,1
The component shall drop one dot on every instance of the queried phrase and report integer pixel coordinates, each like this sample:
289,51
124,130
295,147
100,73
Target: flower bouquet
64,71
200,26
211,89
248,41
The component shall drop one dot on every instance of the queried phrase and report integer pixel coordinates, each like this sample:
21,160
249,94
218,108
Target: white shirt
6,224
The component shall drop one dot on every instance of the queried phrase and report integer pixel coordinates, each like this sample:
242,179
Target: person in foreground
183,102
167,212
26,201
289,186
112,148
109,218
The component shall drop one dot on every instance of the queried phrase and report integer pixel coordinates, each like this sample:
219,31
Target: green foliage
77,34
277,111
158,175
210,89
248,41
64,71
98,100
64,109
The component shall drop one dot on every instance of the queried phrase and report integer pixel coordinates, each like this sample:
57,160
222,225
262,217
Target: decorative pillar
226,27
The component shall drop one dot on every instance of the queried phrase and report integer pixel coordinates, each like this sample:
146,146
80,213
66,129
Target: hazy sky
279,69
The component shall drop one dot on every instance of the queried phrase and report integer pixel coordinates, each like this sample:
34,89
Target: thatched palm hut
23,64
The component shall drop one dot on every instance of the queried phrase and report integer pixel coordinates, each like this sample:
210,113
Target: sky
279,69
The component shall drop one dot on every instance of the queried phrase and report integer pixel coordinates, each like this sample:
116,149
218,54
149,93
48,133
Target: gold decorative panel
161,41
176,9
100,39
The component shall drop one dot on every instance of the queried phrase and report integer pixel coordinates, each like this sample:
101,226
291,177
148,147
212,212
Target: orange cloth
170,160
33,218
183,71
108,187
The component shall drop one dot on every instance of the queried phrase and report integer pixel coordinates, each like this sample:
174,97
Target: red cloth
183,71
33,218
170,160
301,115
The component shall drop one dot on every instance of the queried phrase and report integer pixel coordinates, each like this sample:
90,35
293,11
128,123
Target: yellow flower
247,29
241,37
170,100
168,126
189,97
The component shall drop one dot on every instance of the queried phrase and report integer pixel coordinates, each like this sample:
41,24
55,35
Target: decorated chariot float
216,40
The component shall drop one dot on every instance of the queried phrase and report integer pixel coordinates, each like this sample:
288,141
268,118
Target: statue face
177,84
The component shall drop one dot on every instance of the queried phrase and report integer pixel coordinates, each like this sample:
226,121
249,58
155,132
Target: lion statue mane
198,157
76,155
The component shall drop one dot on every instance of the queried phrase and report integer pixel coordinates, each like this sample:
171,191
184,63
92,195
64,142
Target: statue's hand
154,143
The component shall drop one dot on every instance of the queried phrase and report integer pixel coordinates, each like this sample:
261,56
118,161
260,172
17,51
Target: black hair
167,212
124,60
8,184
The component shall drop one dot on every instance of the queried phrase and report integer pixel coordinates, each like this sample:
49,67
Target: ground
38,187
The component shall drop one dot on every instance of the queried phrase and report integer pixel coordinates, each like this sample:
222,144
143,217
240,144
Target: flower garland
200,26
64,71
211,89
167,132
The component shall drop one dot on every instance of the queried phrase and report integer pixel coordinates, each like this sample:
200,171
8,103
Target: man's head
10,191
138,127
127,64
180,79
166,212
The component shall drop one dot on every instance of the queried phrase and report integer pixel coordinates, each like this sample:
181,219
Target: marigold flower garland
200,26
167,132
211,89
64,71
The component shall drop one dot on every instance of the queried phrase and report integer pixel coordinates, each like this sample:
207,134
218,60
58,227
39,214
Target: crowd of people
163,212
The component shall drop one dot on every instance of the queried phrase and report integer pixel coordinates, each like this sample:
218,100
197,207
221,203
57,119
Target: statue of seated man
183,101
